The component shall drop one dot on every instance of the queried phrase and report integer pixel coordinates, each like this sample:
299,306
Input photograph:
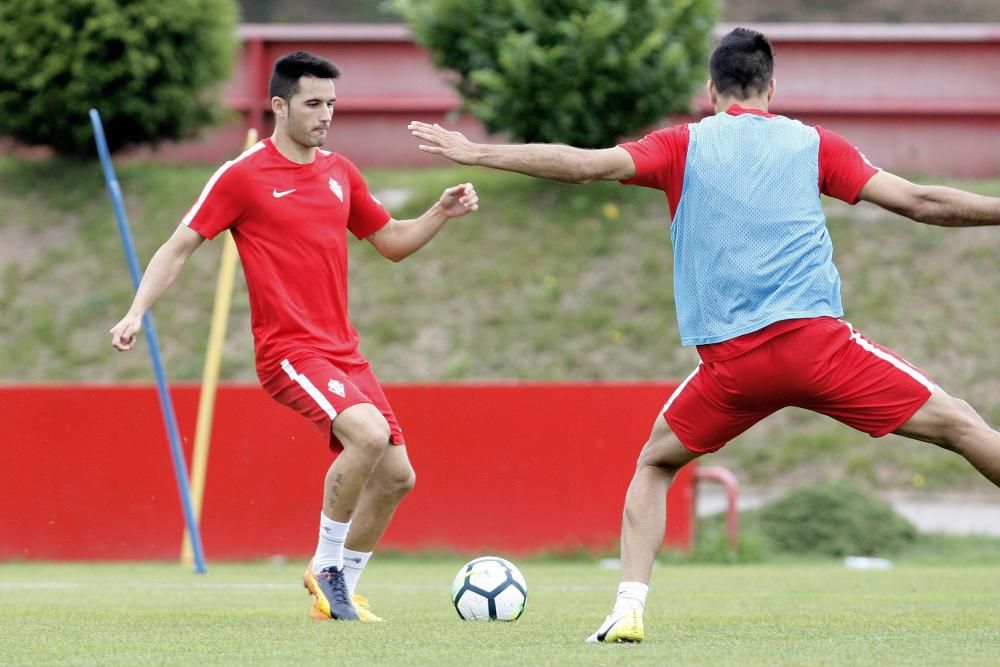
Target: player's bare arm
931,204
399,239
554,161
161,272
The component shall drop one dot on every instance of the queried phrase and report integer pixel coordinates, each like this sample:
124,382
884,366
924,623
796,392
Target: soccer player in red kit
289,205
755,287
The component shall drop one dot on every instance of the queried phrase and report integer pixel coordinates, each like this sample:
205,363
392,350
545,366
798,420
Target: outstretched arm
159,275
931,204
554,161
399,239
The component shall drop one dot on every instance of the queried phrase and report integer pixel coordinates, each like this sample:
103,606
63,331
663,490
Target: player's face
310,111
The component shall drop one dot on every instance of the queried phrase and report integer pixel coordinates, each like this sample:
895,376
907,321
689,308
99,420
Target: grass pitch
788,614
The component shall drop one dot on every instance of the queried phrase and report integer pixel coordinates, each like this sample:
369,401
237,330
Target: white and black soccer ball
489,589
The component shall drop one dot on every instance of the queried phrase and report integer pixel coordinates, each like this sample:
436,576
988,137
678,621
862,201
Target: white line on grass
67,585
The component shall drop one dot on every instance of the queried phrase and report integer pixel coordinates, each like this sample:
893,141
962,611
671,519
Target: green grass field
797,613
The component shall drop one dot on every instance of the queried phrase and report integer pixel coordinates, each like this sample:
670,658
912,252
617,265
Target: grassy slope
547,281
790,614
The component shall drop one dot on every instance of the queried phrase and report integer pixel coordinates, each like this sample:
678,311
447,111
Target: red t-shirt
290,225
660,158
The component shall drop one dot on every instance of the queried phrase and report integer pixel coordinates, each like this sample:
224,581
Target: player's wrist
477,153
441,209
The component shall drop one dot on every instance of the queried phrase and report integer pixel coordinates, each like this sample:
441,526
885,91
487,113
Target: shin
644,518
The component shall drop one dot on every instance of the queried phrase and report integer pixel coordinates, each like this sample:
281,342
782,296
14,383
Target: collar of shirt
737,110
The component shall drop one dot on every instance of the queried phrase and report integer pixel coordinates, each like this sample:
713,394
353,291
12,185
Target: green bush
582,72
145,64
834,518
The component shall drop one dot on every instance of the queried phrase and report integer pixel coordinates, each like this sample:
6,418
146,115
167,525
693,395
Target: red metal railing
732,487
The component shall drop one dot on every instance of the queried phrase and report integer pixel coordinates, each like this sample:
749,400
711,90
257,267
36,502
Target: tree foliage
145,64
582,72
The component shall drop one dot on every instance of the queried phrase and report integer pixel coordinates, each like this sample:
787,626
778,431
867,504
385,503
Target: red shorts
320,391
824,365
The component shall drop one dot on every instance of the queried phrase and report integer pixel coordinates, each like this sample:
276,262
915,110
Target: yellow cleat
365,614
329,593
623,627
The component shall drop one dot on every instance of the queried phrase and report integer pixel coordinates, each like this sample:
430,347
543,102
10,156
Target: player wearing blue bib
755,286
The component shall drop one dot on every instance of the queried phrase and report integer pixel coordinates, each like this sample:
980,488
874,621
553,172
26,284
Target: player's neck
292,149
756,103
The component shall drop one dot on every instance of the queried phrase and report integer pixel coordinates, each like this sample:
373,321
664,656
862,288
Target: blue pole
166,405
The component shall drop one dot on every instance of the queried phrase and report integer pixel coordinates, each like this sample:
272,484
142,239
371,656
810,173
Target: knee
667,469
405,483
961,423
398,482
968,414
369,440
665,453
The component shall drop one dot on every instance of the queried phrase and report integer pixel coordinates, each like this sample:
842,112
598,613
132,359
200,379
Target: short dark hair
288,69
742,64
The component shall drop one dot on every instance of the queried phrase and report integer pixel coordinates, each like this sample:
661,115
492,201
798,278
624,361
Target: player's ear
279,106
713,94
770,90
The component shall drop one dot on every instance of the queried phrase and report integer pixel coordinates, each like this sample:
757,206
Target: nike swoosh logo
279,195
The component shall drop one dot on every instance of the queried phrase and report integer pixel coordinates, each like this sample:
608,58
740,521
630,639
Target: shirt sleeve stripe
215,177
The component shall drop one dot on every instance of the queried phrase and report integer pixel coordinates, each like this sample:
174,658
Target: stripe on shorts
680,388
898,363
310,388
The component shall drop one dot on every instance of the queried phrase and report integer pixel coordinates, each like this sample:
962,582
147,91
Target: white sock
354,565
330,550
631,595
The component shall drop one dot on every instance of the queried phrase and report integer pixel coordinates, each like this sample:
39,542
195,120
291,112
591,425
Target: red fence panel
914,98
518,468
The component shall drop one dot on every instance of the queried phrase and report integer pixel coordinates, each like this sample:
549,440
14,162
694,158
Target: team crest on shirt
337,190
336,387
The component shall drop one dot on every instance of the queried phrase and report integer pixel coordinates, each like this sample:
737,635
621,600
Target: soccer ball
489,589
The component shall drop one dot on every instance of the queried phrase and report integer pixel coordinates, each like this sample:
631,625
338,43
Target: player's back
750,240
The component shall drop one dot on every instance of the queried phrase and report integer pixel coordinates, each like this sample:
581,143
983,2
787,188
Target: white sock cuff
632,591
333,531
354,565
356,560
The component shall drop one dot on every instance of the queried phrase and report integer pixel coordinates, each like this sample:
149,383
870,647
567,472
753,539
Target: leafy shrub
834,518
582,72
712,545
145,64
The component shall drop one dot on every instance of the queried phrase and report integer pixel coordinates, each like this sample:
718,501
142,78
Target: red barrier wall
516,468
913,97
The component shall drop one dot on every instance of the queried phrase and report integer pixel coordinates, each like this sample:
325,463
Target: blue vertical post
166,405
